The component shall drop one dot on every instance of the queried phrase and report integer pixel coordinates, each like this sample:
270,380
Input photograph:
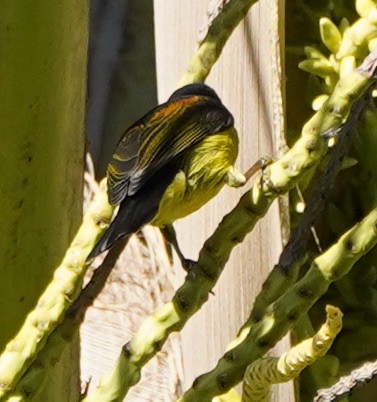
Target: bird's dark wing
138,210
158,137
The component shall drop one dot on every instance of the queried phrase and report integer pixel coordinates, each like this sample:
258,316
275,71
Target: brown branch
297,244
348,384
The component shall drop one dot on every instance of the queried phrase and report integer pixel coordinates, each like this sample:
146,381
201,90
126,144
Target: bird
169,163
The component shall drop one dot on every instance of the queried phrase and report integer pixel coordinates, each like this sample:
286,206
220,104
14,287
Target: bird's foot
234,178
170,236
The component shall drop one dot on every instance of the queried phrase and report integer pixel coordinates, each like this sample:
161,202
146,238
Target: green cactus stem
254,340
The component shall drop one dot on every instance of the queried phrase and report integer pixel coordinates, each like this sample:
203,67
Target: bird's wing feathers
160,136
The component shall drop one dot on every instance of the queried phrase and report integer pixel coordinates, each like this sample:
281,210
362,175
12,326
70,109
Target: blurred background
122,73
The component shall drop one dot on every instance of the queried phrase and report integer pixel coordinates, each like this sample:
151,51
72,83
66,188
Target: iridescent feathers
160,136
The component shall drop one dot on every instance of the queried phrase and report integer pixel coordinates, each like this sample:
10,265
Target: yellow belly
201,177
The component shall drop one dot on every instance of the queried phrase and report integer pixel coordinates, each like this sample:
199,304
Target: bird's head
194,90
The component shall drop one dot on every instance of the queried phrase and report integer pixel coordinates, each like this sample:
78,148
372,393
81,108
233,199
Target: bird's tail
136,211
116,231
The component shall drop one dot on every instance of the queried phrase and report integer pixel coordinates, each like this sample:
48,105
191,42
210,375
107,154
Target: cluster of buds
347,44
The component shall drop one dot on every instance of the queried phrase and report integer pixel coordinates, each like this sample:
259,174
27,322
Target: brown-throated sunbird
170,163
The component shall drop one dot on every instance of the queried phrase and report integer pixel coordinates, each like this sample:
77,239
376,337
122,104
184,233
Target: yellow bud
363,31
363,7
319,101
356,37
300,207
347,65
348,46
372,44
313,53
332,142
334,62
344,24
348,162
372,16
330,82
320,67
330,34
